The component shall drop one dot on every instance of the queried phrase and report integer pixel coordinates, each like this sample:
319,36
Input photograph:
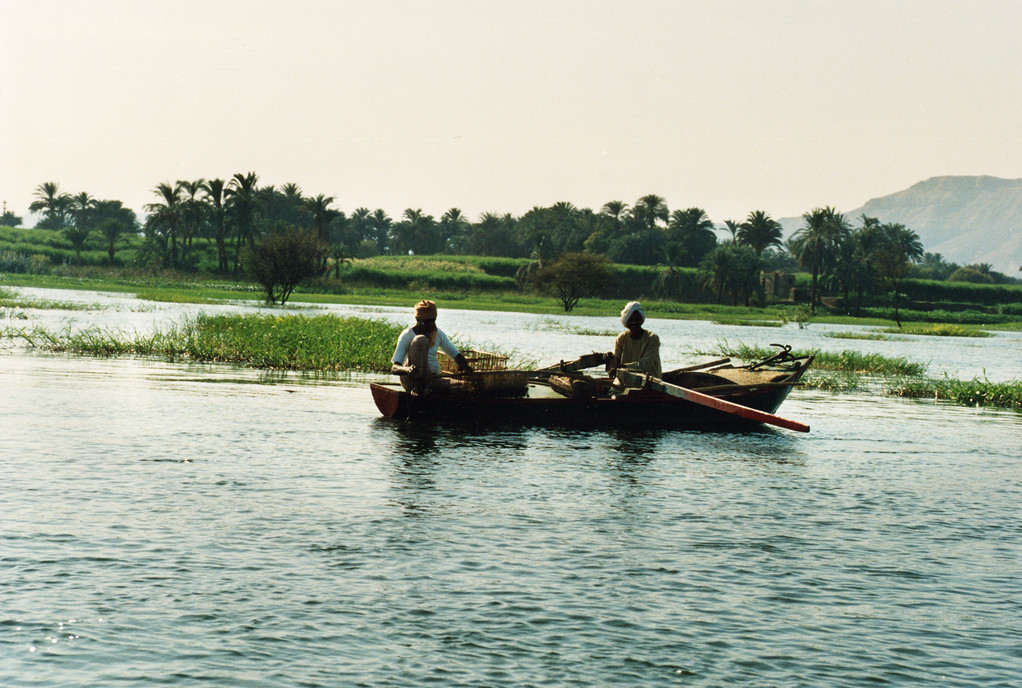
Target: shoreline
209,291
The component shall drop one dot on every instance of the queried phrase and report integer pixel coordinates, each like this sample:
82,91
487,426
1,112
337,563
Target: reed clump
47,304
940,330
869,336
289,342
737,322
847,360
975,392
292,342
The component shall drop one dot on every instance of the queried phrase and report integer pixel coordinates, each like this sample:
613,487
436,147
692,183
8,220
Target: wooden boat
716,394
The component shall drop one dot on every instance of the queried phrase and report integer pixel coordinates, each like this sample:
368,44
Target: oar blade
695,397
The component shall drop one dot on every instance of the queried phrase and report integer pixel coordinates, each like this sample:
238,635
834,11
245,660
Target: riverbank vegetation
217,240
231,230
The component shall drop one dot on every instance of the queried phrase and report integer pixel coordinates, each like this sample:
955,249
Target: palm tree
322,215
899,248
381,222
164,218
416,232
861,273
813,245
214,190
609,225
566,229
732,229
77,236
616,211
287,205
717,270
292,193
649,210
361,226
192,212
82,206
242,198
760,231
493,235
535,230
454,227
110,229
690,236
53,204
731,268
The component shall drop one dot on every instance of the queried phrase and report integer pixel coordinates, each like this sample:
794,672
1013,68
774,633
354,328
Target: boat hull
637,408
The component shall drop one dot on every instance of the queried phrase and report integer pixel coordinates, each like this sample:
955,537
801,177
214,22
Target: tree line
238,216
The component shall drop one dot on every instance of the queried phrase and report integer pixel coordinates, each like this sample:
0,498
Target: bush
972,275
21,263
573,276
283,261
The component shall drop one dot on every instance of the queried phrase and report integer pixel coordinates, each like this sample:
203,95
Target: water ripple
201,535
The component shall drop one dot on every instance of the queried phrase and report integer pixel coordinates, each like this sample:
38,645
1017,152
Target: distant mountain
965,219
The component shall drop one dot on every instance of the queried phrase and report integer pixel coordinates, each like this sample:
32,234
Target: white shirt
442,342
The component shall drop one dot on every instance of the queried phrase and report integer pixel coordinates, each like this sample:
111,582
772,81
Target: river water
194,525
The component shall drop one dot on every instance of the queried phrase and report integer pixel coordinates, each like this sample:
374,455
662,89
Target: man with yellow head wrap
415,358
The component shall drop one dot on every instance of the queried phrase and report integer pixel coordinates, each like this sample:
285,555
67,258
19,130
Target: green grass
940,330
42,250
871,336
326,343
975,392
48,304
832,381
749,323
845,361
8,299
288,342
932,330
589,332
551,325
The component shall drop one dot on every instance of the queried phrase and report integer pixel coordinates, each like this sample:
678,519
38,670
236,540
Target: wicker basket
494,383
479,360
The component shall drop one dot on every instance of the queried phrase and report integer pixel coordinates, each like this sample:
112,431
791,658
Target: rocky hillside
966,219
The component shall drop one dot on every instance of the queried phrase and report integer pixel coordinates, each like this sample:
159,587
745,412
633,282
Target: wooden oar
711,402
698,366
588,361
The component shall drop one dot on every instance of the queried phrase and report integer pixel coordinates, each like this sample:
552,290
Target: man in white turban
636,350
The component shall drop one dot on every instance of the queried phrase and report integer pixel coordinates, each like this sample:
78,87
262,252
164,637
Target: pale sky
497,106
